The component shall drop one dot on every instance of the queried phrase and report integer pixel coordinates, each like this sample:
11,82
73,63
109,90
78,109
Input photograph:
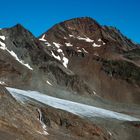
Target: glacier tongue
73,107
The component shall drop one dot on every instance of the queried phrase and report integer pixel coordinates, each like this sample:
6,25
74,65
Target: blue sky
40,15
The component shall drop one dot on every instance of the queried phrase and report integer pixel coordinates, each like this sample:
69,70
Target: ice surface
73,107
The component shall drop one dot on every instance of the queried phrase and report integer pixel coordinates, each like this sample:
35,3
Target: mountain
26,61
111,60
78,80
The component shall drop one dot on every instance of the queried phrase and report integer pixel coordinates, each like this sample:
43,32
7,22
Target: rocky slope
34,121
17,121
25,62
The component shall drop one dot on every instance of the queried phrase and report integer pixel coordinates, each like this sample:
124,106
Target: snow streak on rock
84,50
3,47
2,37
42,123
85,39
56,57
61,57
2,83
96,45
49,83
43,38
68,44
57,45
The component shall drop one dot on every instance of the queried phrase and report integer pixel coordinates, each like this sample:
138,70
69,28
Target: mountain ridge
79,80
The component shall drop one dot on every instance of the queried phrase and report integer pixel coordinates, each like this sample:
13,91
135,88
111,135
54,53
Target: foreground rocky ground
30,119
22,121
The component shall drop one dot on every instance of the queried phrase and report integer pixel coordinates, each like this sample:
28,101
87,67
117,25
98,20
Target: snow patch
85,39
79,51
56,57
48,44
96,45
49,83
42,123
2,83
21,61
59,51
57,45
3,47
100,40
94,93
43,38
68,44
65,61
109,133
2,37
72,36
84,50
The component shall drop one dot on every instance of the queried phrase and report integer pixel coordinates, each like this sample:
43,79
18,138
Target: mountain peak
82,24
18,30
18,27
82,20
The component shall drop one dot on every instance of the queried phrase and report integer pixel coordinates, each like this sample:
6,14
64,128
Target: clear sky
39,15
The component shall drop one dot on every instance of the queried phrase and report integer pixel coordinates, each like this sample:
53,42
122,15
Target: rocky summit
78,80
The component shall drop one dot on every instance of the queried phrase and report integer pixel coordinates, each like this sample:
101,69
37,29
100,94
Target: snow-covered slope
73,107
